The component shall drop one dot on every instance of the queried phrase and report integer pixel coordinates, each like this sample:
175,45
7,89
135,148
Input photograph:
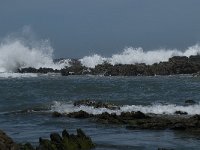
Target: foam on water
138,55
17,75
155,108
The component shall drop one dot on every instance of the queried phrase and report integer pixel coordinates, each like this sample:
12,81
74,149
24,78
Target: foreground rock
65,142
6,143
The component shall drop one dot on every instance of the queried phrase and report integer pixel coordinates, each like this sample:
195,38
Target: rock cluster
138,120
65,142
175,65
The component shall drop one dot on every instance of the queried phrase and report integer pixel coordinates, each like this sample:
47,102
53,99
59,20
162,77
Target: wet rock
56,114
107,118
64,72
179,126
79,114
133,115
180,113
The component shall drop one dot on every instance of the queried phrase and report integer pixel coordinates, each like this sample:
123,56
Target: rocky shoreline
137,120
175,65
65,142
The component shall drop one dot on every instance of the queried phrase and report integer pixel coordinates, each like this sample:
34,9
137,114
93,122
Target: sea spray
16,54
154,108
138,55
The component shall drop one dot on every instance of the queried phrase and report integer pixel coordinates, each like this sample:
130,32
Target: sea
28,100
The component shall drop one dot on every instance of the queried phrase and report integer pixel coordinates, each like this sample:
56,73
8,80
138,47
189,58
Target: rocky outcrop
180,120
175,65
65,142
6,143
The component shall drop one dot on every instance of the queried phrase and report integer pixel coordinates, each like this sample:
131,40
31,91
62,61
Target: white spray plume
138,55
22,49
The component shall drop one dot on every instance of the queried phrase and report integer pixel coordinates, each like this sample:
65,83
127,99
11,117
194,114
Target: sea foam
154,108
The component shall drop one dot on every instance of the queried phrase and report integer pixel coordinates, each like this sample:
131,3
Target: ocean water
27,101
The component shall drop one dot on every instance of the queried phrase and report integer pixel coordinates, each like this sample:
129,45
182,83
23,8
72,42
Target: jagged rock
79,114
56,114
6,143
180,113
66,142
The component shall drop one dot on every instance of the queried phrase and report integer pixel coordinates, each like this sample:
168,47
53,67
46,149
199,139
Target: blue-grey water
26,105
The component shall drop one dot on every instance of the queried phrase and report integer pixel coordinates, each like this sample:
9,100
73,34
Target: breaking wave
155,108
20,53
138,55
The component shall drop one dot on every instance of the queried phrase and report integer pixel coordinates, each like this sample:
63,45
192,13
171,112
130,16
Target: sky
77,28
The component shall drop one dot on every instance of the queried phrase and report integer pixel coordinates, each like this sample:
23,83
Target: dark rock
180,113
64,72
56,114
79,114
27,146
178,126
6,143
133,115
55,137
71,142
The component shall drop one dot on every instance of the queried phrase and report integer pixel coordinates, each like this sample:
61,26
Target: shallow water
28,100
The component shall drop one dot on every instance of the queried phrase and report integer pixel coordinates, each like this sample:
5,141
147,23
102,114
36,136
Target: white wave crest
17,75
155,109
138,55
16,54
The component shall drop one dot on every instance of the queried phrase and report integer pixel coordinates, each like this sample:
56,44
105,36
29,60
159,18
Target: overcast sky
81,27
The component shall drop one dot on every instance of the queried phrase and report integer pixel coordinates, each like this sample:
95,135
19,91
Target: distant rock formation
175,65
